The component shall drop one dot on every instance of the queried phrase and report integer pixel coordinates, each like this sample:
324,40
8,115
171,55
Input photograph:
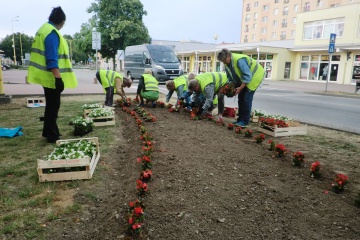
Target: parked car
5,67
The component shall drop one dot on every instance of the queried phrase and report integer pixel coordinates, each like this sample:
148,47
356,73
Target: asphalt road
335,112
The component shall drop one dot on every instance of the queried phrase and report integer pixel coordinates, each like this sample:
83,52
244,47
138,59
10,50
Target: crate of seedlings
71,159
87,108
280,128
102,116
35,102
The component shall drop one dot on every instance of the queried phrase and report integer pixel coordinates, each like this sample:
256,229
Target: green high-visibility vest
108,78
256,70
219,79
151,84
38,72
181,80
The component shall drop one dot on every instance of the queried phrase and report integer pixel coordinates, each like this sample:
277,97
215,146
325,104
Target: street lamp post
182,55
215,58
12,27
22,61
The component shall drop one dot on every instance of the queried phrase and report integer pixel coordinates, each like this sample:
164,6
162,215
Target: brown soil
211,183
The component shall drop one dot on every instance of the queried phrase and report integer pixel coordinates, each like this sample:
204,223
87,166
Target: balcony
306,8
248,9
285,12
283,25
245,40
282,37
246,30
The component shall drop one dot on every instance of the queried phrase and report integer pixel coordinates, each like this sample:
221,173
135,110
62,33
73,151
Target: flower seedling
298,159
238,130
248,133
280,150
230,126
271,145
315,170
341,181
259,139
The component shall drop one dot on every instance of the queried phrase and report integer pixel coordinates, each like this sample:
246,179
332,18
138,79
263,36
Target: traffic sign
331,48
96,40
332,43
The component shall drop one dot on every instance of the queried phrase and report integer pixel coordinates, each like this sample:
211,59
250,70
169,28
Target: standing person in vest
208,84
148,88
247,74
113,82
50,67
180,84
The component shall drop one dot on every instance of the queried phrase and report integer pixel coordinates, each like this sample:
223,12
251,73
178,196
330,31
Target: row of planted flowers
136,214
298,158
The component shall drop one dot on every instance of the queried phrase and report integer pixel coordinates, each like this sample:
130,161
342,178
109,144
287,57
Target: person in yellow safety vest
148,88
112,82
50,67
247,74
180,84
208,84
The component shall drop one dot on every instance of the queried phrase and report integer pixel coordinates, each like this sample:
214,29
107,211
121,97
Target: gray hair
169,84
192,84
148,71
223,54
191,76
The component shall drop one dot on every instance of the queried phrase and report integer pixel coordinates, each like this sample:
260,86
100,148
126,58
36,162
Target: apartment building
272,20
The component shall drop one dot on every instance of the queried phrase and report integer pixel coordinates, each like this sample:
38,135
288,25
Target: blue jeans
245,98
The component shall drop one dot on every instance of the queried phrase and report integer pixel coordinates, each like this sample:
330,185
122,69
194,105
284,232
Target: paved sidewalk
22,89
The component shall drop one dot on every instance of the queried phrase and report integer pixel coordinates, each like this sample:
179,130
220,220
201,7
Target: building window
256,4
286,1
276,1
274,23
276,11
247,18
294,20
263,30
254,26
246,28
283,35
245,39
248,7
307,7
293,33
253,37
323,29
334,5
263,40
264,19
265,7
255,16
286,11
273,34
319,3
296,7
284,23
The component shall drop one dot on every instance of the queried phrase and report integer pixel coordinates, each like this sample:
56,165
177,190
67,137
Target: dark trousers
245,99
52,99
109,92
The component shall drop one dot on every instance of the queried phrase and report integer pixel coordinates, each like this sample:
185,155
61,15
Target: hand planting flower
259,139
341,181
280,150
298,159
228,90
315,169
220,122
248,133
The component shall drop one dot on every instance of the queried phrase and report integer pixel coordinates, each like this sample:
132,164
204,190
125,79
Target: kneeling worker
113,82
180,84
148,88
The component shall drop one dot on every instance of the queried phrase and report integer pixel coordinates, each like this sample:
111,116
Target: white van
160,58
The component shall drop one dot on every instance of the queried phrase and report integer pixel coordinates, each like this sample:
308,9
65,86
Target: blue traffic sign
332,43
331,48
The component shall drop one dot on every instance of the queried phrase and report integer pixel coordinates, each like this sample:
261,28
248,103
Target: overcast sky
176,20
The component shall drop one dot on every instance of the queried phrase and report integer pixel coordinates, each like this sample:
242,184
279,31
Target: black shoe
41,119
52,140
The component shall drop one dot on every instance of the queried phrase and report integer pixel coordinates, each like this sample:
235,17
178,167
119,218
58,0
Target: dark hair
57,15
223,54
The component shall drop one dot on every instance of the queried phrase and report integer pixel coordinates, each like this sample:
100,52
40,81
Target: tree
120,24
83,41
6,45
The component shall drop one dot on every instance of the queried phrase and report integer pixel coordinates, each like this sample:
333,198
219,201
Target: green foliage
25,44
120,24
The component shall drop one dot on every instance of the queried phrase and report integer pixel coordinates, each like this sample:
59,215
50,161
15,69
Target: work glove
192,104
59,84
